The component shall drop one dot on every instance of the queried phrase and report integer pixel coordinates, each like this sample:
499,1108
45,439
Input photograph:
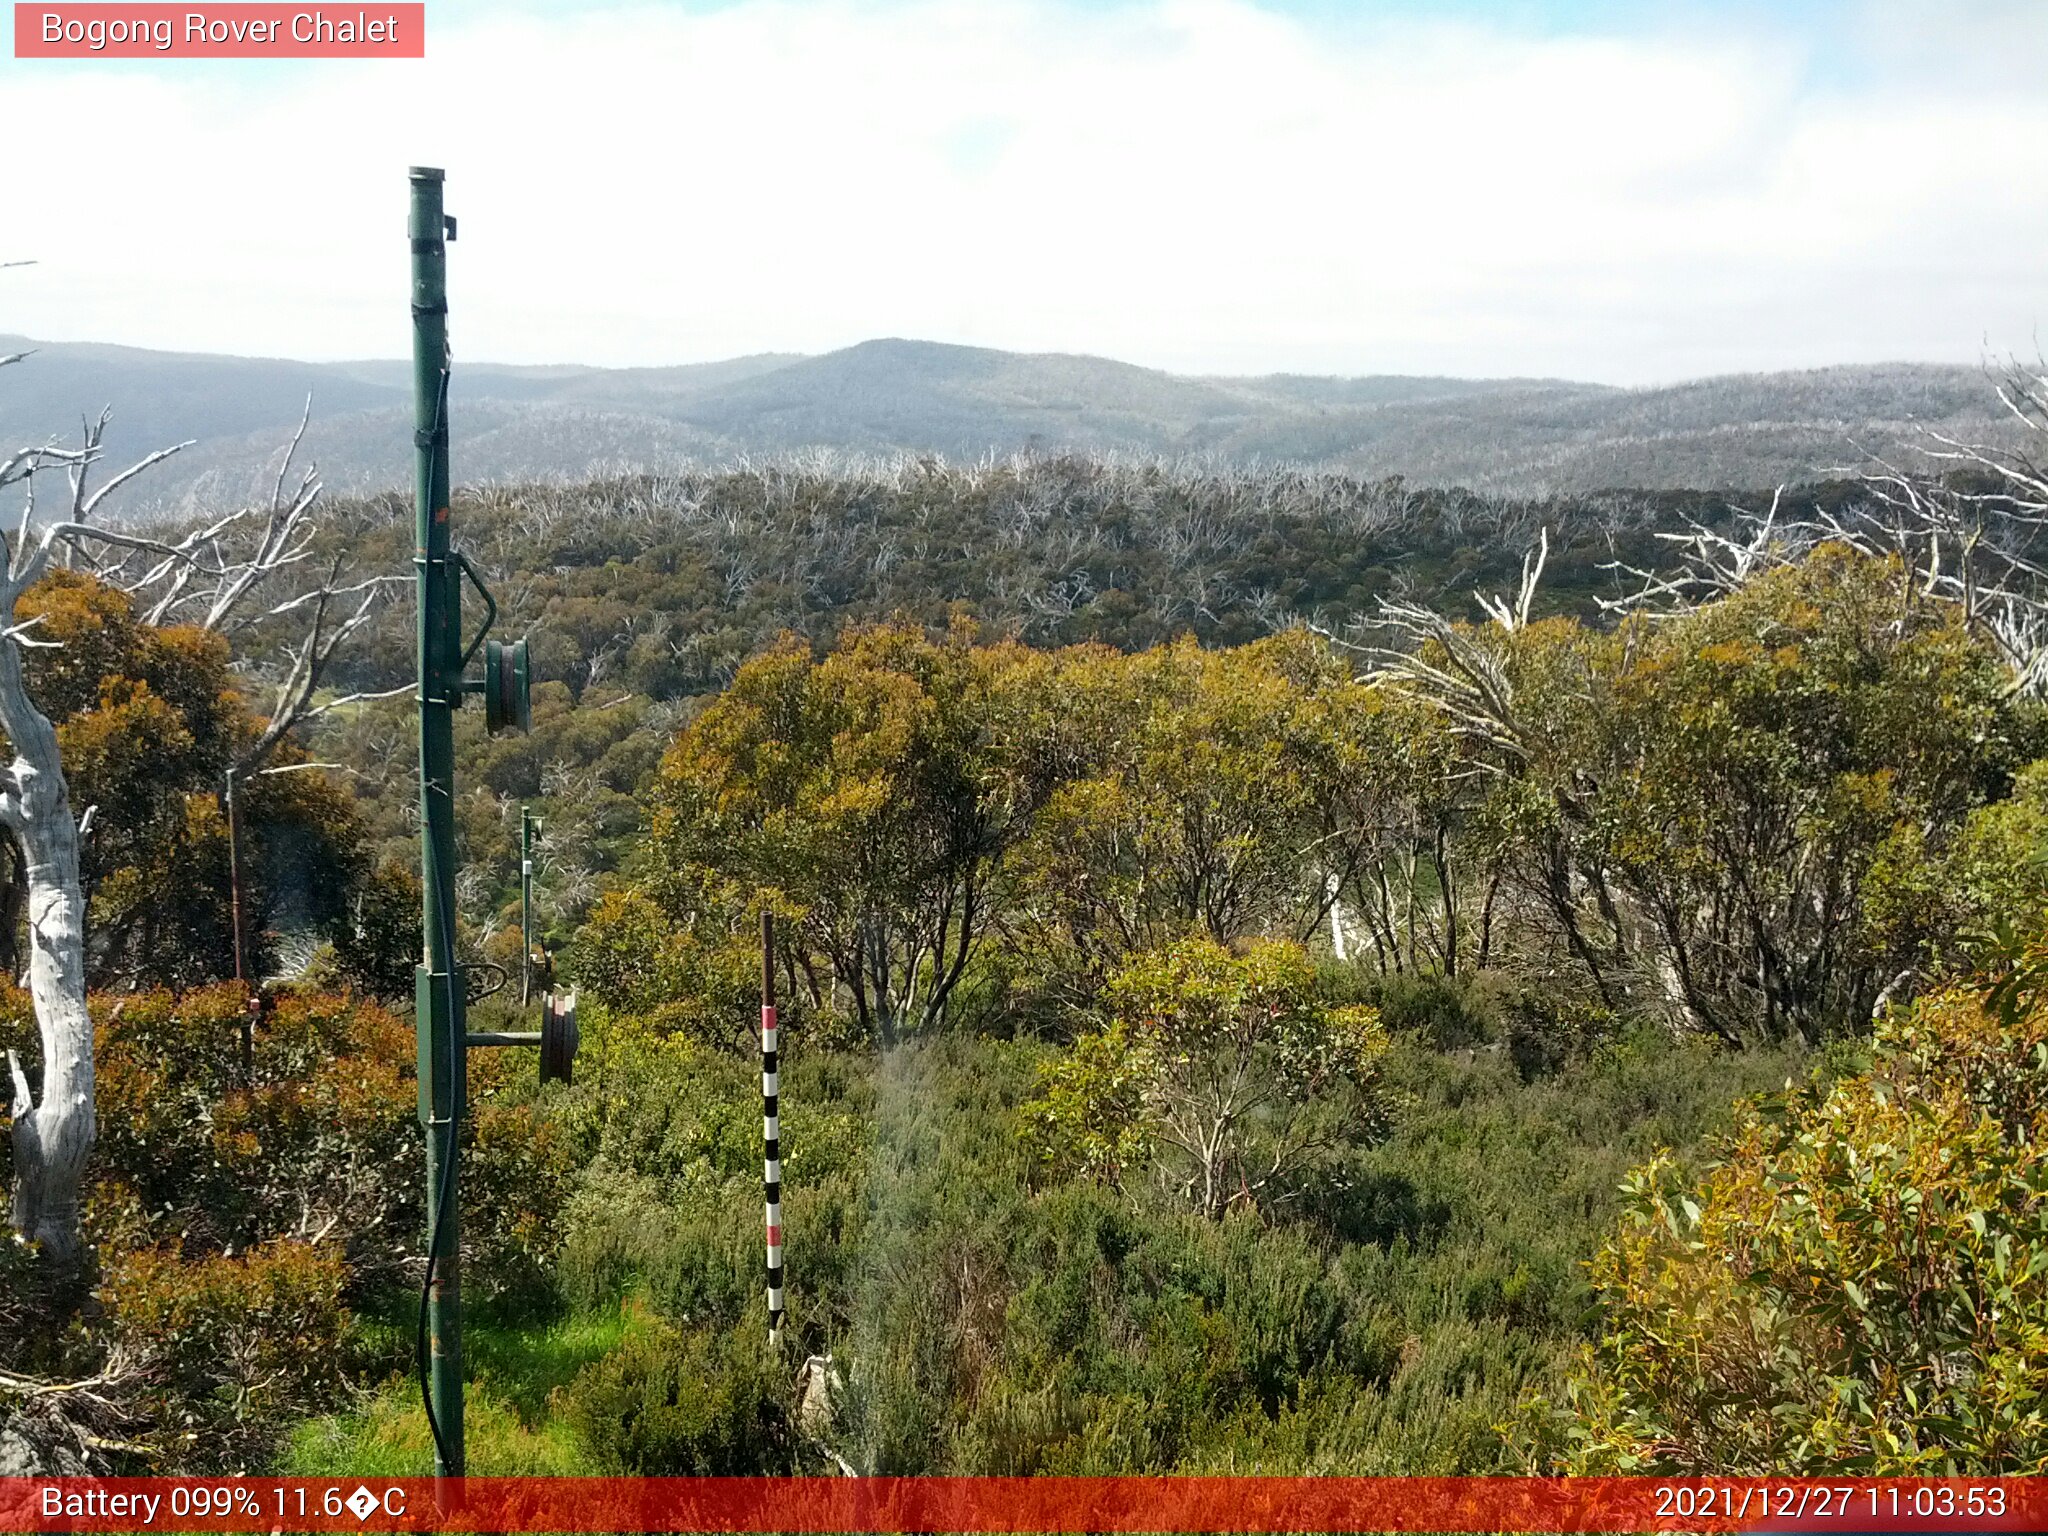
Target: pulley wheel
558,1037
508,702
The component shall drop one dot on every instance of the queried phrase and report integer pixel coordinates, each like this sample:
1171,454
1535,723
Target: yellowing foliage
1858,1284
1227,1071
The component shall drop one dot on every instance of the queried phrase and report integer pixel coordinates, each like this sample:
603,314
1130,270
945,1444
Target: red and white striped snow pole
771,1127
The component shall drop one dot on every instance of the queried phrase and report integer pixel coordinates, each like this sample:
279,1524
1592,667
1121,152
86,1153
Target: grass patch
515,1366
387,1437
523,1364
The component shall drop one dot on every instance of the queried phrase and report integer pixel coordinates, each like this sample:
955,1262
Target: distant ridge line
895,395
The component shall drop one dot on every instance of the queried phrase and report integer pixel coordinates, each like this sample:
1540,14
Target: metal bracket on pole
490,611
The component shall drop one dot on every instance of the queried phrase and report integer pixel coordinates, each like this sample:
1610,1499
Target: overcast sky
1631,194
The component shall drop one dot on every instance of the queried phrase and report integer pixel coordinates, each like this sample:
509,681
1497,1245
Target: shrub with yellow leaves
1859,1283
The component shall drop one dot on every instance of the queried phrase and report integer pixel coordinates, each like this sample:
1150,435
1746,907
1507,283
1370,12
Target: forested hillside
644,596
1249,1004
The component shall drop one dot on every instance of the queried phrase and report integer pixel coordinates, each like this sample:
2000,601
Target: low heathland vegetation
1236,1017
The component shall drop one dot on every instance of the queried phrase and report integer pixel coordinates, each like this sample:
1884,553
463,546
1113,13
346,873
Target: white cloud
1199,184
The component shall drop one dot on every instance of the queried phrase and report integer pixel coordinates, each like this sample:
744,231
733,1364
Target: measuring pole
771,1127
525,905
437,987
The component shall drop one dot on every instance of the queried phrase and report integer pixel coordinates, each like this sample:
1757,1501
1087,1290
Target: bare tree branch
53,1133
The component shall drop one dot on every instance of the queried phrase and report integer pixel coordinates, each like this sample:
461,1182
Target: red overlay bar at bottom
934,1504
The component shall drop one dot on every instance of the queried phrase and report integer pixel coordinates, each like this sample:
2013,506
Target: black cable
421,1352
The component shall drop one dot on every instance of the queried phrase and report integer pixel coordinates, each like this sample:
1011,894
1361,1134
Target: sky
1633,194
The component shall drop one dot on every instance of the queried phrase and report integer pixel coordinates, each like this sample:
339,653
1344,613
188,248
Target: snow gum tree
210,575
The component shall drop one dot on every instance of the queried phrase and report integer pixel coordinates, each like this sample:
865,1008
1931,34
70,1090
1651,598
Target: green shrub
1548,1027
694,1253
614,1225
677,1402
518,1175
990,1317
377,941
1446,1012
1230,1074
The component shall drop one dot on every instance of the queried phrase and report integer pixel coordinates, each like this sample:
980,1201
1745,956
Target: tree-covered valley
1279,973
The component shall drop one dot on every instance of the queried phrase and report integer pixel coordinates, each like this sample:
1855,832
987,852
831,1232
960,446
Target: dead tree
222,576
1964,523
209,574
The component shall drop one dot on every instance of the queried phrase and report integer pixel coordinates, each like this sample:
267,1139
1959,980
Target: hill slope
893,397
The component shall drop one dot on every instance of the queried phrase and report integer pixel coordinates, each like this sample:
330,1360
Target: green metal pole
525,905
437,984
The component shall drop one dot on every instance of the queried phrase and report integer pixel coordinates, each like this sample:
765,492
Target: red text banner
1065,1504
231,31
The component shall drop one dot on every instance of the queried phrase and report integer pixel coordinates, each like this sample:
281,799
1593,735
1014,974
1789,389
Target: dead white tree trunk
53,1131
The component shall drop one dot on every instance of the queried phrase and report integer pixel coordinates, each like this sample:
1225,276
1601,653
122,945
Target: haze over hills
890,397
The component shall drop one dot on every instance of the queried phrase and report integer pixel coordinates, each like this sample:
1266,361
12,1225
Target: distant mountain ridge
893,396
